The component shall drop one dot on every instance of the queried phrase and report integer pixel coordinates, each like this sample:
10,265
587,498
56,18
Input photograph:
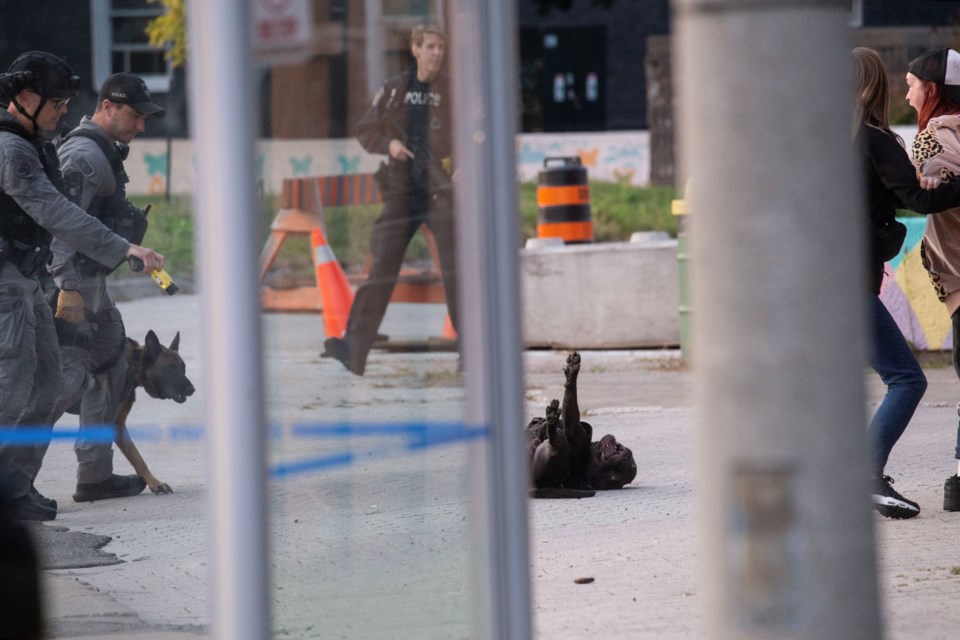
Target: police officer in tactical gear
89,325
409,121
35,91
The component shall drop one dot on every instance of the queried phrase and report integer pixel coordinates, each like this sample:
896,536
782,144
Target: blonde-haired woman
933,82
891,182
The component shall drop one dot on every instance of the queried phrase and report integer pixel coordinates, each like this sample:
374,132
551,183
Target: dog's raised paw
573,368
553,411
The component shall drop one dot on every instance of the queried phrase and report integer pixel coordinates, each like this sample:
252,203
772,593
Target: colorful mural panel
622,156
909,296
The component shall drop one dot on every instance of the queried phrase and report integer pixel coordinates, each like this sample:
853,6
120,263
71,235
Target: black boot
42,499
26,508
113,487
951,494
351,358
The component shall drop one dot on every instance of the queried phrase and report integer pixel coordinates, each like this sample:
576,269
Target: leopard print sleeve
926,146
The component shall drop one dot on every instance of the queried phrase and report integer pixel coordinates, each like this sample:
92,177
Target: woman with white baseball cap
933,82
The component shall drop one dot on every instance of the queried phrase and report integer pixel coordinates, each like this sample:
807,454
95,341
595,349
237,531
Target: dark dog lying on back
564,463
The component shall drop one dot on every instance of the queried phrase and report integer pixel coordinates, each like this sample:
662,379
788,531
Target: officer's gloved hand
70,306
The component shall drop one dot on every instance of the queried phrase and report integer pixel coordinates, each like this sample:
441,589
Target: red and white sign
281,24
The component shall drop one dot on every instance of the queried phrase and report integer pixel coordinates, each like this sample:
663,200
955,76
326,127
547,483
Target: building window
120,42
388,25
856,14
420,8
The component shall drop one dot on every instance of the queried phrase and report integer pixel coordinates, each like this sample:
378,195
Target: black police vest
113,211
108,206
15,224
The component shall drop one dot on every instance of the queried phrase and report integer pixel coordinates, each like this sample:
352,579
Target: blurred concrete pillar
223,132
779,293
483,60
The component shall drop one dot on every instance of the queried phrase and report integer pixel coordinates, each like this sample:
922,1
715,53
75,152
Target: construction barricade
303,201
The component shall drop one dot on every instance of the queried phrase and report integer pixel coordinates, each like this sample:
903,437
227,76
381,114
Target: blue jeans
892,359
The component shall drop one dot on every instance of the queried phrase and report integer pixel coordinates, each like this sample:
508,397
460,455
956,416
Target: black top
418,100
418,115
891,183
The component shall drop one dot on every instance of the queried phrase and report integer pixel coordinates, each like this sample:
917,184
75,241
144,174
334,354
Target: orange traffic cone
448,331
335,291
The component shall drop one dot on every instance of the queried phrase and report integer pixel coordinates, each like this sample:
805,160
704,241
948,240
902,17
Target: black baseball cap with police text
126,88
940,66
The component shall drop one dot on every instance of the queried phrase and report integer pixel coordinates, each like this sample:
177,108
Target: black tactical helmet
44,73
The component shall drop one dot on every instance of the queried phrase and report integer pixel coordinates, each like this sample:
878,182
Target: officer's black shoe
26,508
339,348
42,499
113,487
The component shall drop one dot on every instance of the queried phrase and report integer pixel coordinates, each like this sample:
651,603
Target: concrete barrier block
610,295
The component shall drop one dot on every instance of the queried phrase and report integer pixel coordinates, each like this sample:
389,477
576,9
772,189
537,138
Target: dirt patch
60,548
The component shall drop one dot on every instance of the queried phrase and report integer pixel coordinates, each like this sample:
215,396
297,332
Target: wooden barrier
302,202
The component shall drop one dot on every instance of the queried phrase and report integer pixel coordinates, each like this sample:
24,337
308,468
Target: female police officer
38,86
409,121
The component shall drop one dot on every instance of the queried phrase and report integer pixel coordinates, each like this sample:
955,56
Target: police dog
564,463
161,372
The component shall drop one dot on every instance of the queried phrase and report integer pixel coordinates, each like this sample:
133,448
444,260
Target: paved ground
382,548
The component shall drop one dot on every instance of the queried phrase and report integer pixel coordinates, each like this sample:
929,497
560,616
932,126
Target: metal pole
169,171
223,127
483,51
373,28
780,318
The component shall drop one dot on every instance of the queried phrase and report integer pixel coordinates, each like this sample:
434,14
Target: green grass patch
170,230
349,230
618,210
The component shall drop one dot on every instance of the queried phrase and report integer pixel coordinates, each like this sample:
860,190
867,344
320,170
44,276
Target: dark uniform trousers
399,220
98,395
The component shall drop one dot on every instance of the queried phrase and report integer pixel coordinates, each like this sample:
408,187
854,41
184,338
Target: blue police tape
321,463
183,432
423,433
31,436
419,436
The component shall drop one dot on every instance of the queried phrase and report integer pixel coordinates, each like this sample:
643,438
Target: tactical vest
20,232
114,211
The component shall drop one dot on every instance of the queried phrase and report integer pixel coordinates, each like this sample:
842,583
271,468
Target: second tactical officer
89,325
38,86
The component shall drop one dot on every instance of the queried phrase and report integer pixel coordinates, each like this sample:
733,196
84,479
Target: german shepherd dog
161,372
564,463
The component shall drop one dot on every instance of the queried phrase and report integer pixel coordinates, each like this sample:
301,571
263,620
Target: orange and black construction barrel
563,201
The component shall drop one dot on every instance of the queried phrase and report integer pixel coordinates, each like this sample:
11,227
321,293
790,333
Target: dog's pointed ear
175,345
151,348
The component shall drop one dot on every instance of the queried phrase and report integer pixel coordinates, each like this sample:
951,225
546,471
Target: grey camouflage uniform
30,375
98,395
